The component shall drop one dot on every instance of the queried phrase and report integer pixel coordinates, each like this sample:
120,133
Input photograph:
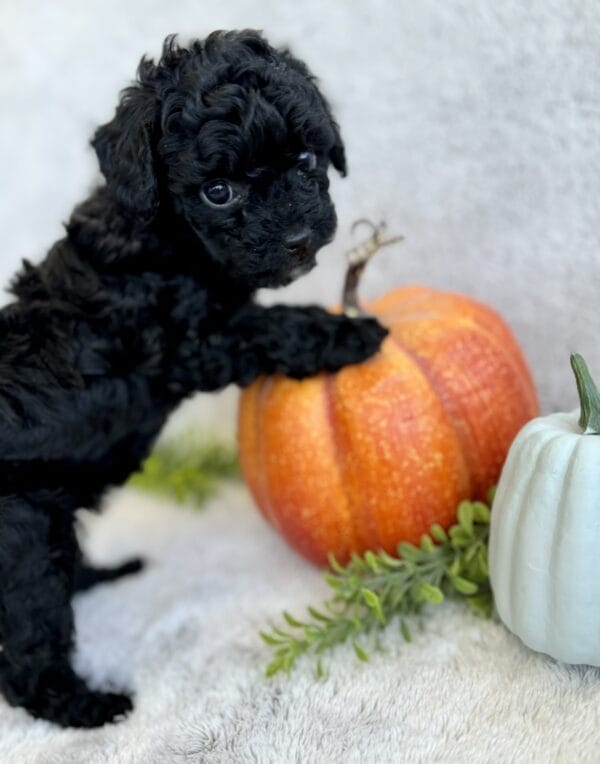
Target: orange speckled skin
377,453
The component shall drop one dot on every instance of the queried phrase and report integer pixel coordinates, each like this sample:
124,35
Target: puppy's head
234,137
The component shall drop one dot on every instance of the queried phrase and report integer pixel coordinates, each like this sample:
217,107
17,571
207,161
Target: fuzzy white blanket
473,129
183,636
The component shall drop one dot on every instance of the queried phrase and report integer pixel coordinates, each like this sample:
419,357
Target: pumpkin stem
589,397
358,257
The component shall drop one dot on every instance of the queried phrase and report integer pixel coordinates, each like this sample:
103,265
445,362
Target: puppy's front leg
299,341
295,341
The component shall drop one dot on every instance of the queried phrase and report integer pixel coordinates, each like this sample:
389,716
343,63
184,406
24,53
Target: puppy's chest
144,321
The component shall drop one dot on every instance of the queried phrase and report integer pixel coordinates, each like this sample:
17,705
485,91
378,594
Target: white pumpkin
544,549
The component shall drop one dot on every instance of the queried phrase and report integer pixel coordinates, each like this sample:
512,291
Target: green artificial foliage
187,470
376,588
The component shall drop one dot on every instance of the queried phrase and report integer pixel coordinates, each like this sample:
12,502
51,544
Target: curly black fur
147,299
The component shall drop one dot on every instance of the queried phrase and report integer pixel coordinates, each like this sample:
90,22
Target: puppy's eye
217,193
306,161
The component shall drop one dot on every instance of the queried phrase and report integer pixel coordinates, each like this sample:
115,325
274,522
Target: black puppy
216,184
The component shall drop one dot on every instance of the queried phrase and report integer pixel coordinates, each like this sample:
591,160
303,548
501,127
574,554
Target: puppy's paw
93,709
356,339
84,709
60,696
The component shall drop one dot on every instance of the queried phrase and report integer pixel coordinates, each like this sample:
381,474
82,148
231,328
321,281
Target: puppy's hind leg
37,557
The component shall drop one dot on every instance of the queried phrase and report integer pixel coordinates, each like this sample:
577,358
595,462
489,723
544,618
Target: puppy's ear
125,147
338,153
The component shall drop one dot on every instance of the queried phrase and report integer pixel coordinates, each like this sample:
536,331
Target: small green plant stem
373,589
187,470
589,396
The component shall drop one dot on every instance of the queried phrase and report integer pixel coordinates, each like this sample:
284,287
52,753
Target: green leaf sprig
187,470
376,588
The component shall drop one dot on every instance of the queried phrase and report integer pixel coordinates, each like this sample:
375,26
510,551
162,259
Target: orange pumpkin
378,452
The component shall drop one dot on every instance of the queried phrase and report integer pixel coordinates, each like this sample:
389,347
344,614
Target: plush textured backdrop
474,129
184,636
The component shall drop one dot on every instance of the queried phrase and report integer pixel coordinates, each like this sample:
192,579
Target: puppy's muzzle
299,243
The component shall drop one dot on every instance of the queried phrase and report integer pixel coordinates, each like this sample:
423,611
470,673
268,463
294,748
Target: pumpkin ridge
248,432
513,564
467,467
482,317
519,400
557,547
515,358
263,499
506,523
329,397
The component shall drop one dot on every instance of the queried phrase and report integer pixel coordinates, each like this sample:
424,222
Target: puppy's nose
298,242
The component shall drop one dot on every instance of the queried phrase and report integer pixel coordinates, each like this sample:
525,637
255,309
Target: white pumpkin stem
358,257
589,397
